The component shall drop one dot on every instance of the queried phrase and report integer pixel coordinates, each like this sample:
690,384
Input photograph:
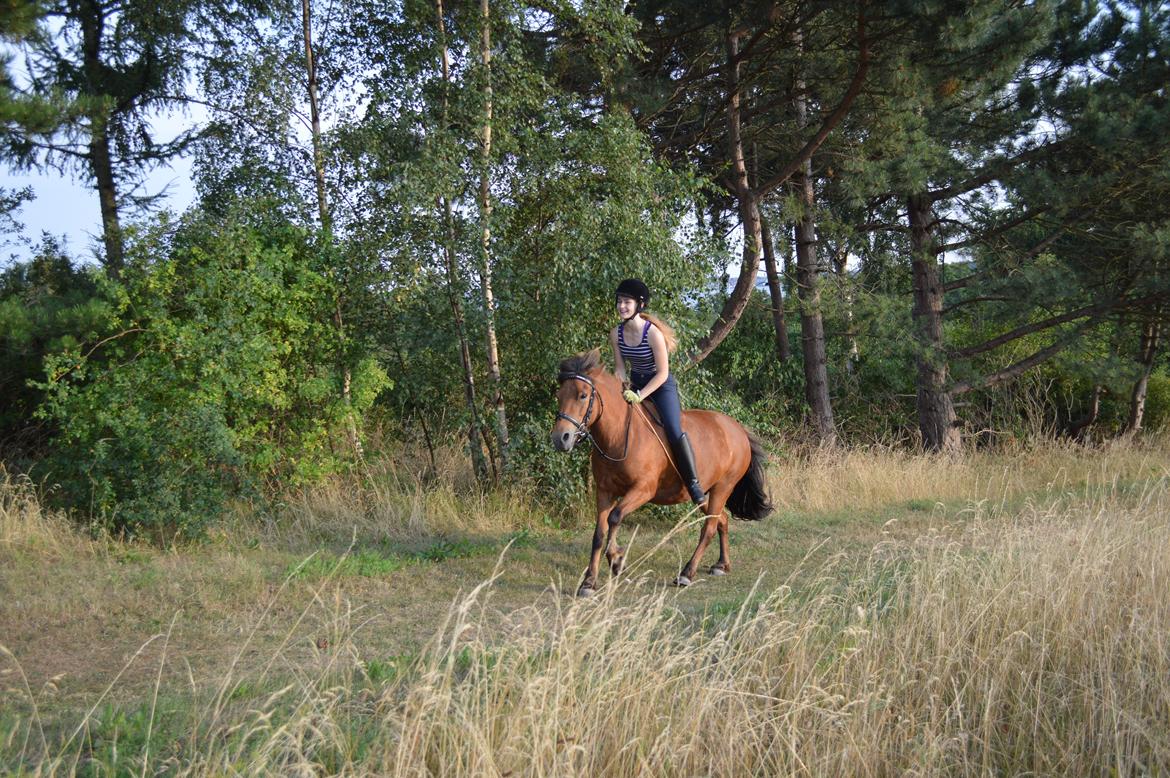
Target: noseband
582,426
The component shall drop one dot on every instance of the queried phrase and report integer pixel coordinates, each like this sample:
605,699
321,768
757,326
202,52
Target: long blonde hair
666,330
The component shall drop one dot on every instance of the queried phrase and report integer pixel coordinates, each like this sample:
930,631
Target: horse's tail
749,499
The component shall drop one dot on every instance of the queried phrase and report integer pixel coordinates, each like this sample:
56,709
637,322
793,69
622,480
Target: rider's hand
631,396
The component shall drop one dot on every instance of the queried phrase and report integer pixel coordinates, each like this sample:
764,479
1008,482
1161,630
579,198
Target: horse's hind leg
723,566
716,521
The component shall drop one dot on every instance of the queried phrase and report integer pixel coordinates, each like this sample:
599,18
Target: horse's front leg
614,554
610,512
605,504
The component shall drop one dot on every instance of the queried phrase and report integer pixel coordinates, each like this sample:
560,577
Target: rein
582,426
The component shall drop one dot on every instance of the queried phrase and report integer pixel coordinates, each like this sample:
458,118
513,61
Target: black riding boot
685,458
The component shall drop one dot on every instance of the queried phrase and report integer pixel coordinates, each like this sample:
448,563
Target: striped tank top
638,358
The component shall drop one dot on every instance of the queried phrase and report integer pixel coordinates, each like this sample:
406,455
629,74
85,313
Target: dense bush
218,372
47,305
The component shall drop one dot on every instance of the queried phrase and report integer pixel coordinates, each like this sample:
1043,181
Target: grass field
997,613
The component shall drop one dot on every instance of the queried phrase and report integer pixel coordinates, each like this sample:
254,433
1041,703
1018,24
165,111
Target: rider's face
626,306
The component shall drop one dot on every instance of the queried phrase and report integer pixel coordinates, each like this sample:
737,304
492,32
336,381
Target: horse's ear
594,359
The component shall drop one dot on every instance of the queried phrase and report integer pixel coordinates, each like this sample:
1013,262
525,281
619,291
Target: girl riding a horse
630,462
643,343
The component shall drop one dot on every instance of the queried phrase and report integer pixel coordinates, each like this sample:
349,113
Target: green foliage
218,375
872,390
114,732
212,370
578,203
366,564
560,479
744,378
585,212
47,305
1157,402
383,671
108,69
18,109
11,201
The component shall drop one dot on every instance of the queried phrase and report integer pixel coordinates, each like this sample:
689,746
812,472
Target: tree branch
1014,370
996,230
990,172
964,282
1039,326
973,300
831,121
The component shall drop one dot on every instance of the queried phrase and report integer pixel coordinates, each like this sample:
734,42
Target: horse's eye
582,397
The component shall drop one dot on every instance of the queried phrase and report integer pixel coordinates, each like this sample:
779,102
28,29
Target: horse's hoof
615,567
682,581
586,591
717,570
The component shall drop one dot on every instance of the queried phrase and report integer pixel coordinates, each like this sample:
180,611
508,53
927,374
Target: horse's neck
609,429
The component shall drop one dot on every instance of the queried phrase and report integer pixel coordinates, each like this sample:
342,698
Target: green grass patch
384,560
364,563
722,610
116,737
381,671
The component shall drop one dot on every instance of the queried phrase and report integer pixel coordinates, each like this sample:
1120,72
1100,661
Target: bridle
582,426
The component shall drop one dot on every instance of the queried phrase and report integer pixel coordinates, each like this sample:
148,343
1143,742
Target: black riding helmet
635,290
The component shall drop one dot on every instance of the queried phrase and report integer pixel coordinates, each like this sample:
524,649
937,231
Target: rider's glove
631,396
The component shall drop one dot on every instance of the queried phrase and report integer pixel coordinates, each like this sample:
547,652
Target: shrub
219,372
47,304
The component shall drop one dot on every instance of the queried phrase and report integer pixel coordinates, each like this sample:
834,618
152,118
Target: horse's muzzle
563,440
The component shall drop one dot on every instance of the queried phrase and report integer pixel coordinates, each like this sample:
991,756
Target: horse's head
578,402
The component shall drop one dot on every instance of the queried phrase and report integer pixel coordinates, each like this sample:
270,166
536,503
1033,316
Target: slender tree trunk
936,410
1137,401
355,440
451,266
315,118
453,289
808,292
788,271
100,156
1077,429
101,163
485,215
783,350
749,214
840,266
812,328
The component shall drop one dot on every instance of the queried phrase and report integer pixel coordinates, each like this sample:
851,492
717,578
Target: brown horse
631,466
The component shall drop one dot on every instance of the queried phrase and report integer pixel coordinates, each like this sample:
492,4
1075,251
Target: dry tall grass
1035,644
867,477
392,502
1039,647
25,521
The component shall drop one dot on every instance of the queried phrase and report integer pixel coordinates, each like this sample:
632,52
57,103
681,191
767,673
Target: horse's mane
580,364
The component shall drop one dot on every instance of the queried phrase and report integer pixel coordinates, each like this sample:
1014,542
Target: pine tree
119,65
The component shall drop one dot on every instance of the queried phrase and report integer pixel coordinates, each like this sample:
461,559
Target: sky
66,206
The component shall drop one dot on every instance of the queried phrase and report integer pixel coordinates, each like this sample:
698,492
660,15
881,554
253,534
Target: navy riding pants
665,400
